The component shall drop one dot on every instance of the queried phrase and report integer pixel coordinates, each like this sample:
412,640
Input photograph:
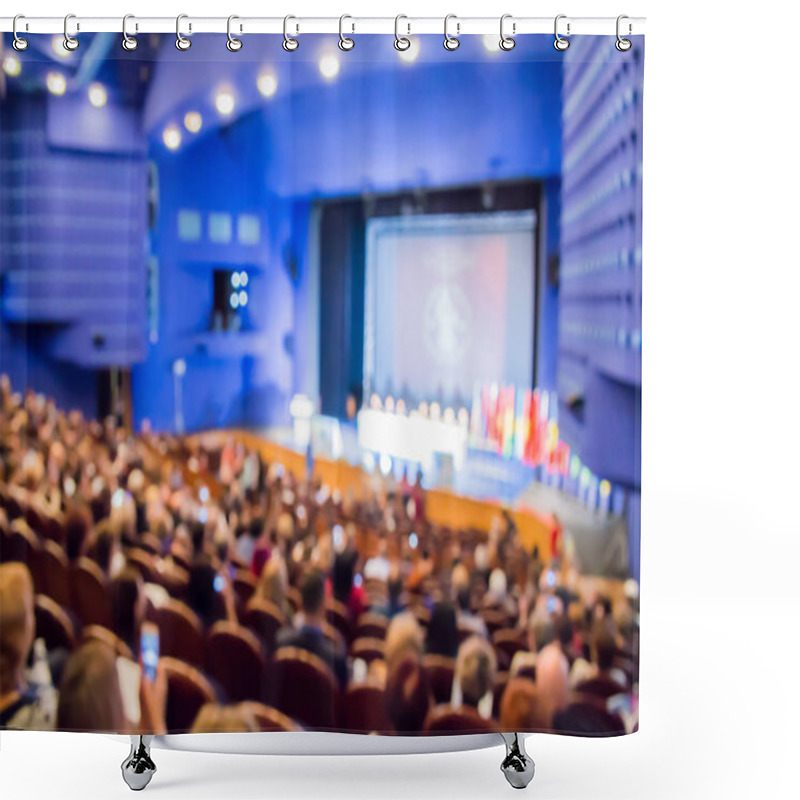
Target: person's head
274,581
214,718
342,576
498,585
17,624
552,677
89,697
312,592
463,596
202,592
403,638
476,667
541,631
408,695
107,545
523,708
565,630
77,525
603,648
127,604
459,578
442,634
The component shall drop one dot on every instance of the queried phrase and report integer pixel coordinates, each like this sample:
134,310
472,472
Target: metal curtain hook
506,42
70,42
233,44
451,42
128,42
401,43
19,44
290,44
345,42
561,43
182,42
623,45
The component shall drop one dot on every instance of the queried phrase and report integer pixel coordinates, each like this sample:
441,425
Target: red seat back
53,624
91,599
440,671
444,719
181,633
305,689
55,573
364,709
264,619
188,691
234,659
269,719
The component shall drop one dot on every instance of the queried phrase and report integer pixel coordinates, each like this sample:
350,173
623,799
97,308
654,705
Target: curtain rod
461,26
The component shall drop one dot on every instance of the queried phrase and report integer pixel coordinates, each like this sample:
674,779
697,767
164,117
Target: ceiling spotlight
172,137
329,66
225,102
57,45
410,54
56,83
98,95
193,121
11,66
267,84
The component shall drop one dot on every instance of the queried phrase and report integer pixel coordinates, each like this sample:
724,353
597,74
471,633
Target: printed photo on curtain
321,383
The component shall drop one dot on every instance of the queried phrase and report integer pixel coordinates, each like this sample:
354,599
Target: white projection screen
450,304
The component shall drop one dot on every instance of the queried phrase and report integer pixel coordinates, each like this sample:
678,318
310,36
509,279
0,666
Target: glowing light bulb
411,54
98,96
329,66
11,66
56,83
172,137
225,102
193,121
267,84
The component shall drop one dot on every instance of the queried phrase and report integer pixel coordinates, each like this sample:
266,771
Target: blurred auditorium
322,370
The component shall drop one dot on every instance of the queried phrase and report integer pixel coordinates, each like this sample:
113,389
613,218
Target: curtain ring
451,42
506,42
623,45
290,44
345,42
181,42
128,42
19,43
233,44
561,43
70,42
401,43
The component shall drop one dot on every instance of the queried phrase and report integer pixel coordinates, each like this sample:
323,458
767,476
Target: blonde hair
274,582
17,623
214,718
403,638
476,667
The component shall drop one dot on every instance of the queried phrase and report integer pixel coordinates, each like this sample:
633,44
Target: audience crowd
279,603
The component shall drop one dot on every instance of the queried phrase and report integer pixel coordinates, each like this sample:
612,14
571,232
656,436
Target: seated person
408,696
22,704
214,718
308,635
523,708
476,669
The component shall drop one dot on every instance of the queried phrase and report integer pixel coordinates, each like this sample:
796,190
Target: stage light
242,299
57,44
235,280
202,517
401,407
172,137
203,494
605,489
56,83
574,467
436,411
389,404
449,416
423,408
329,66
267,84
11,66
193,121
386,464
225,102
369,462
412,54
413,541
375,402
463,417
244,279
234,301
97,95
491,42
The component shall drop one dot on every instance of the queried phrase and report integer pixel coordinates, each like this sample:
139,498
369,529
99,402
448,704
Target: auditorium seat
334,636
444,719
337,615
91,599
305,688
422,614
367,649
175,579
500,683
495,619
55,573
264,619
601,687
294,599
188,690
234,659
53,624
21,544
102,634
180,632
440,671
149,543
244,587
145,563
372,626
364,709
269,719
588,718
507,642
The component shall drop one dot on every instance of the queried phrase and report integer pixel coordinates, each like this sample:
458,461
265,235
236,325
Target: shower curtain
321,384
